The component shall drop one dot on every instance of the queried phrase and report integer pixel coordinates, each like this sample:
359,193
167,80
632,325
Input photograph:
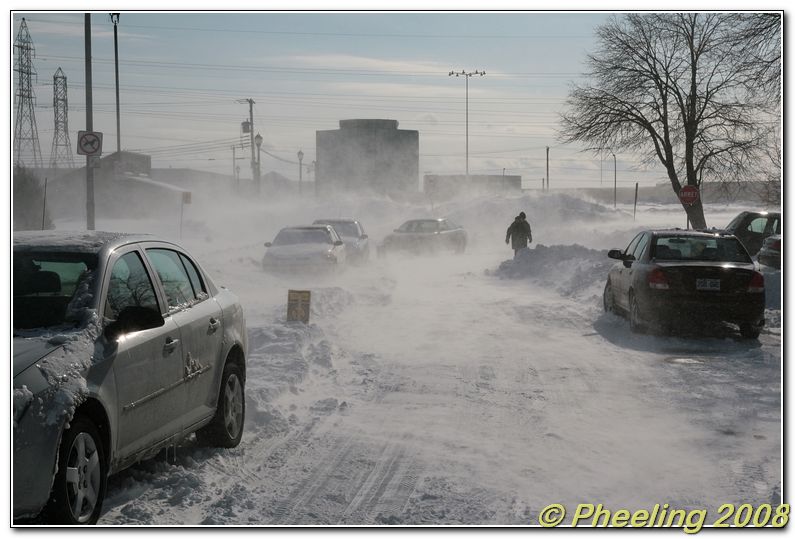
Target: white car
305,249
123,345
351,231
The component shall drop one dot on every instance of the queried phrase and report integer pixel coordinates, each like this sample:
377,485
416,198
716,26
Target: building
372,156
447,186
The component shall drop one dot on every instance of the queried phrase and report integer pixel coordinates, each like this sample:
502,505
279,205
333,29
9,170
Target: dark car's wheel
226,428
79,486
608,302
749,331
635,322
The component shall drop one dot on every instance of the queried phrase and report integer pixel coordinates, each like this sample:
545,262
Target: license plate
707,284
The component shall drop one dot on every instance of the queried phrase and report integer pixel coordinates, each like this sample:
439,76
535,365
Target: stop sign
688,195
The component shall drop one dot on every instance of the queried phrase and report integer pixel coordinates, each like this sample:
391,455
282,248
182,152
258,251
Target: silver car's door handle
170,344
214,324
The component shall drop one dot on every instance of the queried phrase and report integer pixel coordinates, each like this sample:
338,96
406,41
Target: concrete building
447,186
372,156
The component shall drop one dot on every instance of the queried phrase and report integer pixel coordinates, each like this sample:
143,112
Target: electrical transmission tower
61,154
26,135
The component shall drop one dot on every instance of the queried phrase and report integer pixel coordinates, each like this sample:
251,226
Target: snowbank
572,270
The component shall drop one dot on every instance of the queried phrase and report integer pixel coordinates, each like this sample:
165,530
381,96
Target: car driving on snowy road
123,345
351,231
671,277
305,249
426,236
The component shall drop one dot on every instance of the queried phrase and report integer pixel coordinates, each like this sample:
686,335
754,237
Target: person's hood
28,351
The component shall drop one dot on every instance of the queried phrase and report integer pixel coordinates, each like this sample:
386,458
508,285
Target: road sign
688,195
298,305
89,143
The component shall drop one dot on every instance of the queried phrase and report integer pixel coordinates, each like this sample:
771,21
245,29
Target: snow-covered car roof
87,241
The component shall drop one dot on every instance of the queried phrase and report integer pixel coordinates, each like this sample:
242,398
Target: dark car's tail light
757,283
776,245
658,280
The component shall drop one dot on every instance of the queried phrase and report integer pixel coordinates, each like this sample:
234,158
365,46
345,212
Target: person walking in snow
519,234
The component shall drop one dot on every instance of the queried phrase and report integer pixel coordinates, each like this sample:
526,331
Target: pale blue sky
181,75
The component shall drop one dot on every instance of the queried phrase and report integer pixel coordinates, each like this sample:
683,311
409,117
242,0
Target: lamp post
466,76
258,142
114,17
300,170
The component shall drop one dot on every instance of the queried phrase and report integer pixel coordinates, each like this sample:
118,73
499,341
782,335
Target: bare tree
673,87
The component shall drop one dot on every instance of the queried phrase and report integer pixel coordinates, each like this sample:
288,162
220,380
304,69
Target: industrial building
370,156
447,186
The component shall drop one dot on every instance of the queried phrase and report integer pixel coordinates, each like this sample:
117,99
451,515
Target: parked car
305,249
351,231
668,277
770,253
123,345
426,235
752,227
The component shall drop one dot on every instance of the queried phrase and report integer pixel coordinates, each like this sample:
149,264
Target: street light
114,17
258,142
300,171
466,76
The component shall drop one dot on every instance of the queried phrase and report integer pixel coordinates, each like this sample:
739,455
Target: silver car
352,233
302,249
123,345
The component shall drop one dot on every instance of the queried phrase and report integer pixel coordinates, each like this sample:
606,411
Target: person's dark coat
520,234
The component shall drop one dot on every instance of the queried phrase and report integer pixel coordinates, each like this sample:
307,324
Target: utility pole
89,127
466,76
26,134
234,176
547,168
300,170
251,135
615,181
61,146
114,17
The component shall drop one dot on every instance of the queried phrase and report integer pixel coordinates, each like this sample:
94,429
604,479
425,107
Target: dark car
770,253
308,248
672,277
425,236
352,234
123,345
752,227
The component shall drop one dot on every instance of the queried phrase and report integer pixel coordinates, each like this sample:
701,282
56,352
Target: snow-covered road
465,389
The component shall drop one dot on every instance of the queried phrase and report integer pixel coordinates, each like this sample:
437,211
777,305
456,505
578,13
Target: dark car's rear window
700,248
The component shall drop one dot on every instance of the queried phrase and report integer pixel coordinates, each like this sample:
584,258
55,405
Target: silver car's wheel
226,427
233,406
79,485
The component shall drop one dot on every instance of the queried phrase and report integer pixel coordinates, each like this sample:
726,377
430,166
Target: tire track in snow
385,492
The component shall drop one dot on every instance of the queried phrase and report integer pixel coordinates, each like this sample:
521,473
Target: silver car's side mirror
338,243
268,244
